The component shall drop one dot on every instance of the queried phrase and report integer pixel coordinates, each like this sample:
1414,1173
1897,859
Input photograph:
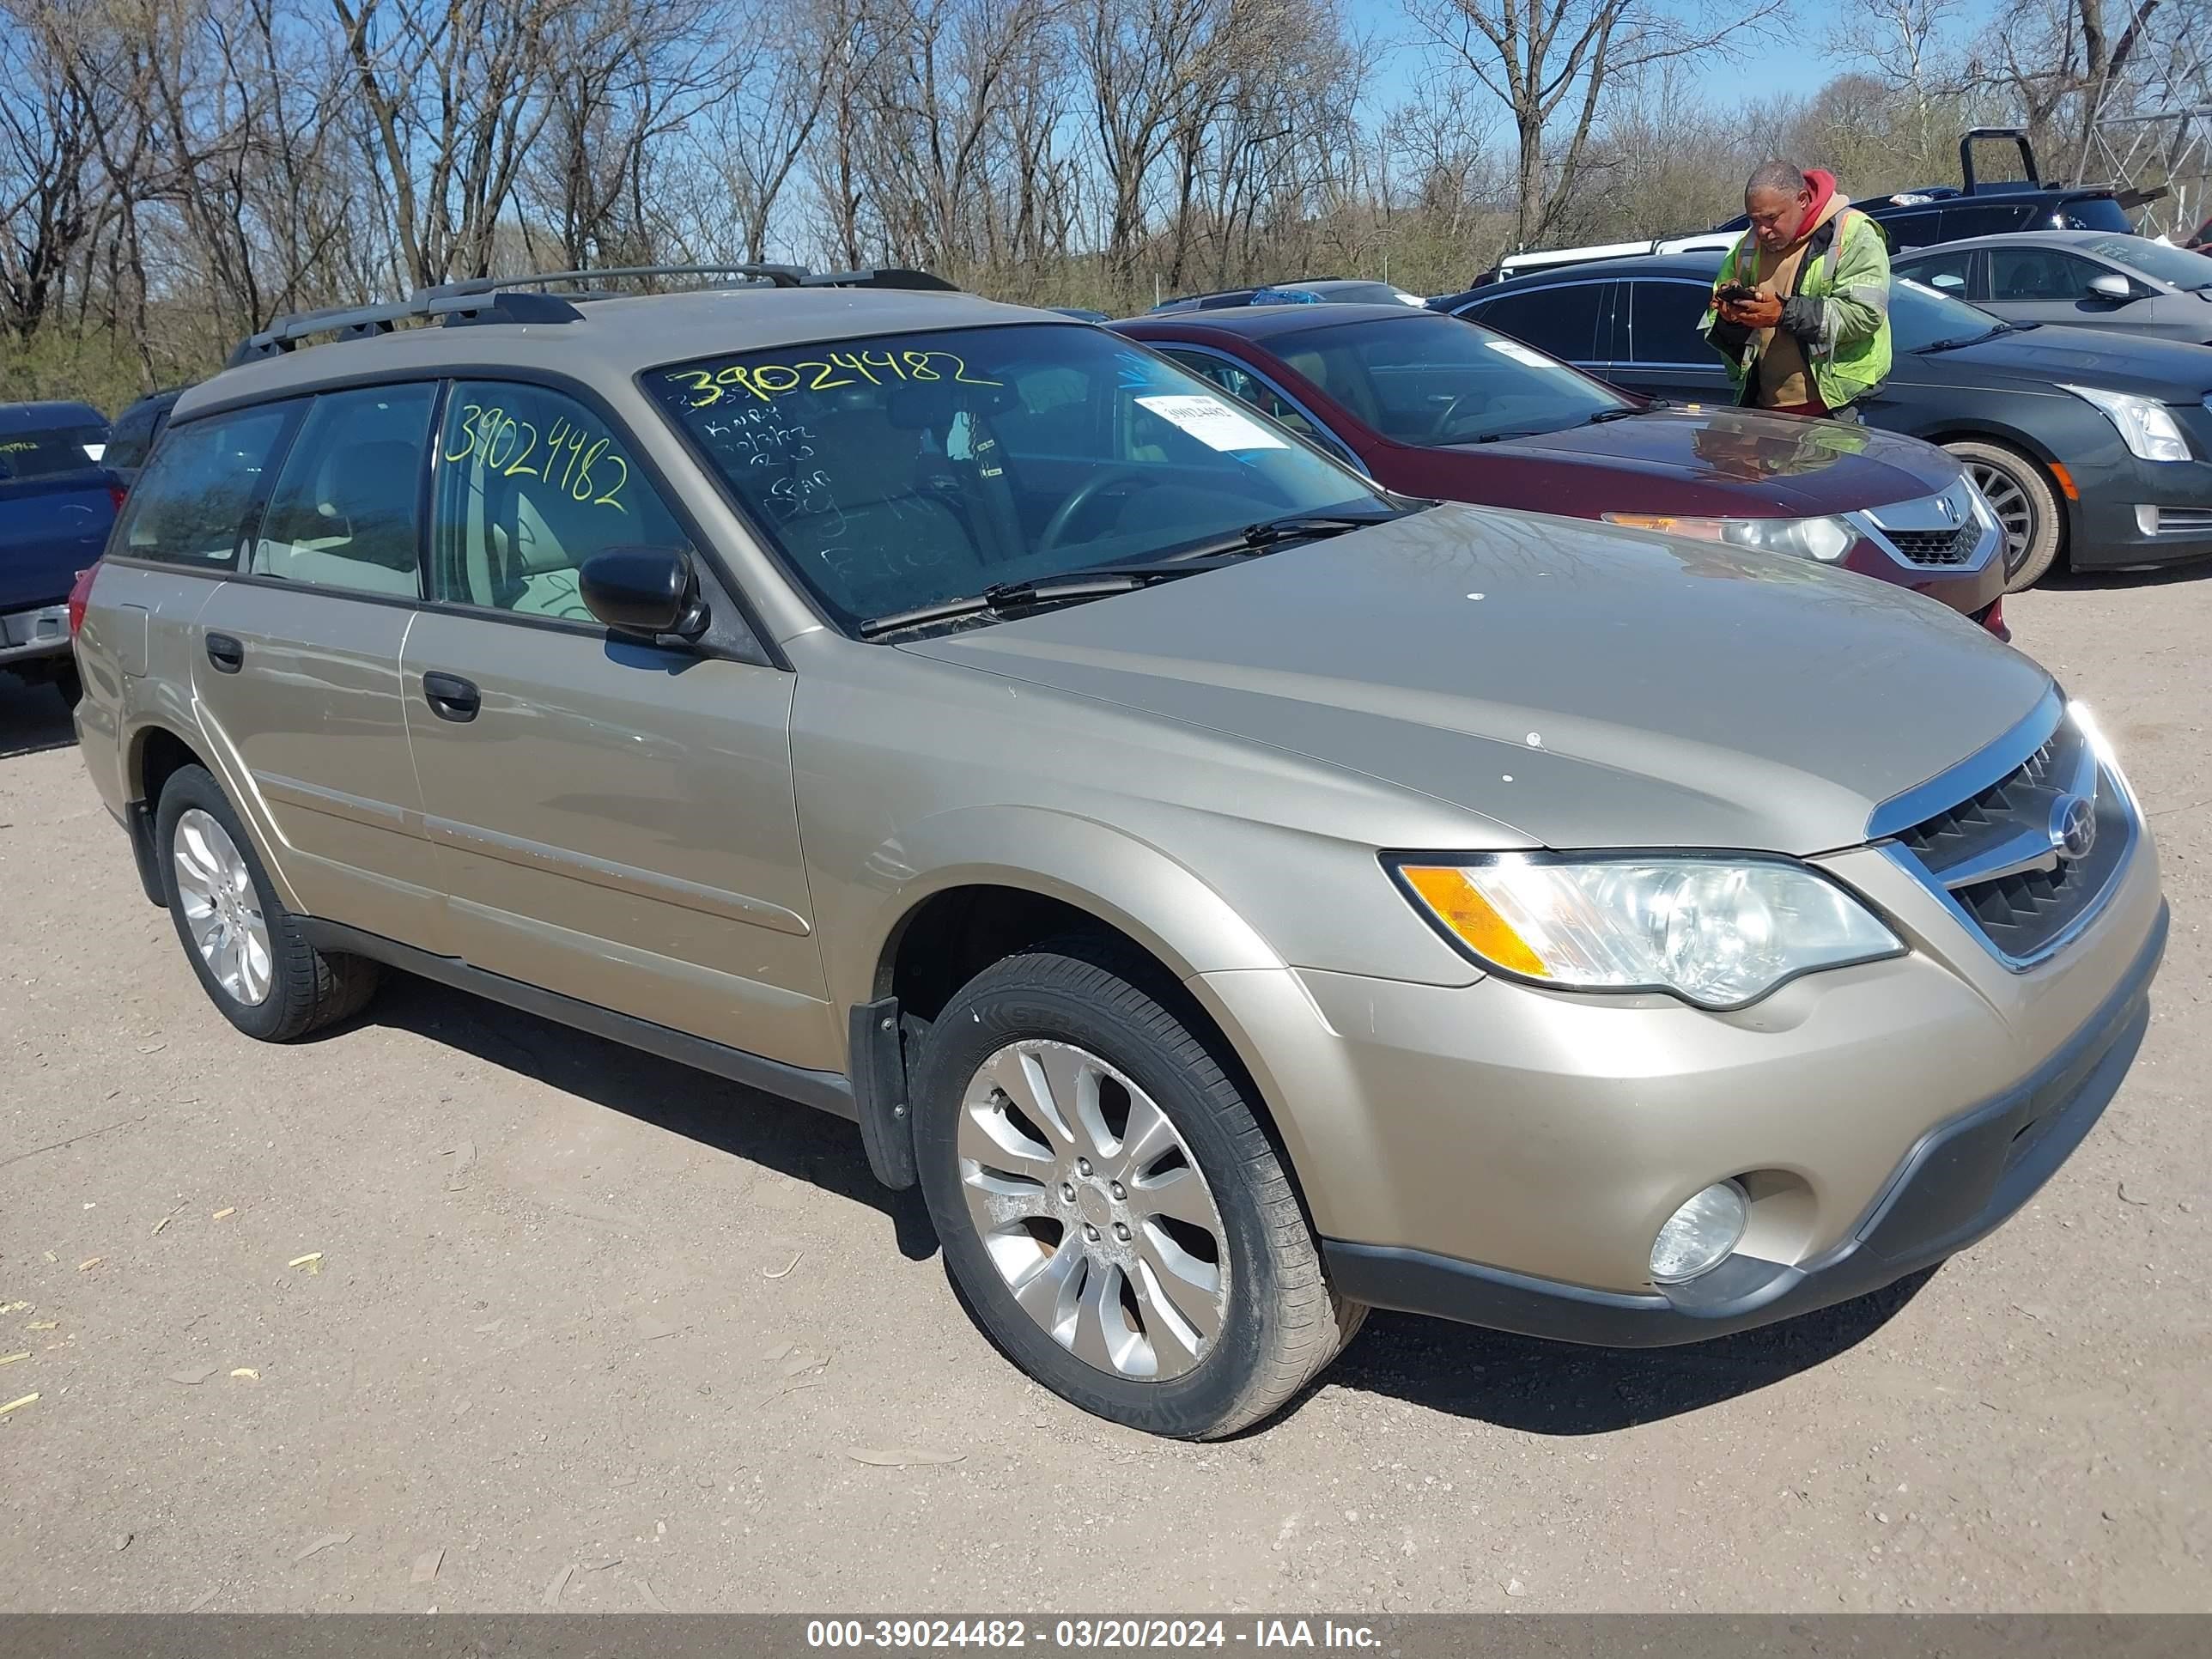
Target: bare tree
1549,62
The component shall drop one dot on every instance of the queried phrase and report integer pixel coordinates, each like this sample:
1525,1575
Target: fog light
1699,1237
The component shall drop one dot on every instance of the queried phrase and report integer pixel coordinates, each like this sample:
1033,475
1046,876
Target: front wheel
2025,505
1110,1206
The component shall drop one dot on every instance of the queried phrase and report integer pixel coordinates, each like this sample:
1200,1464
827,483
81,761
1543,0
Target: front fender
1124,881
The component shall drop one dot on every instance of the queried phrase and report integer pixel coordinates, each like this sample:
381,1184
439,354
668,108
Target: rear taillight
80,591
115,494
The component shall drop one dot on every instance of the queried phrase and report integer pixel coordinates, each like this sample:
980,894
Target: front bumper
1962,1181
1889,536
2135,511
25,636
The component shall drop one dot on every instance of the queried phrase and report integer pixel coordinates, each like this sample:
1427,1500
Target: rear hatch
57,505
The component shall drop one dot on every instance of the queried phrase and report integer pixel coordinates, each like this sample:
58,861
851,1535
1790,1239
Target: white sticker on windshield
1212,423
1519,353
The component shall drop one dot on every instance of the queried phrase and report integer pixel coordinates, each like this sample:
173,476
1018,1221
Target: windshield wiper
1604,415
1953,345
1096,583
1272,533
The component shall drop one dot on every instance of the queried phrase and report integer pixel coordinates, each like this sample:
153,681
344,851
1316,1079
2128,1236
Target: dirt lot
593,1332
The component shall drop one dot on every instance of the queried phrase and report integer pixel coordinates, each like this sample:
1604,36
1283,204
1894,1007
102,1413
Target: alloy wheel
2015,513
1093,1209
222,911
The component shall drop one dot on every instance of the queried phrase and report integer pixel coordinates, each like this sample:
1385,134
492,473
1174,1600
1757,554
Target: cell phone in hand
1737,293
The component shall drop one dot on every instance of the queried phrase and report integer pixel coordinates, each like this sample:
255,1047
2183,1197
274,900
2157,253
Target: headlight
1825,539
1716,932
2146,426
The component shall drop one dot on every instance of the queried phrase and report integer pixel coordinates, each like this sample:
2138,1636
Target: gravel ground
454,1308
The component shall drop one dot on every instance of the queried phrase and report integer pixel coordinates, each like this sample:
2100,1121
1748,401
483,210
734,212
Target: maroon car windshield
1433,380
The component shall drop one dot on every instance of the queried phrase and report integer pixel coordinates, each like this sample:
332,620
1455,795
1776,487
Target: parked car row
2094,447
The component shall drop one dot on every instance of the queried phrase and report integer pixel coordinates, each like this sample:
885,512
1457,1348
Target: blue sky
1791,56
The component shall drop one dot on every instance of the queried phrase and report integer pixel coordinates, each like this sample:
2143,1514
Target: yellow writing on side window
572,459
768,381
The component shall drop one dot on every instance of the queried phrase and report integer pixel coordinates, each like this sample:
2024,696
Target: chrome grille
1996,855
1937,546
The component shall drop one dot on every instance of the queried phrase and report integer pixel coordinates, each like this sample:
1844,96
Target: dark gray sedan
2082,278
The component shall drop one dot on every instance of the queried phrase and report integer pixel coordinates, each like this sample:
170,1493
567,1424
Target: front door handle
227,654
450,697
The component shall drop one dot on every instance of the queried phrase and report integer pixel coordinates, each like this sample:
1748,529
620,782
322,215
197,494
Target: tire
2035,525
297,988
1050,1012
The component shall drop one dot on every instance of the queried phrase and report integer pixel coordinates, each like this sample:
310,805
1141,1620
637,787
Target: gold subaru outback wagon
1239,896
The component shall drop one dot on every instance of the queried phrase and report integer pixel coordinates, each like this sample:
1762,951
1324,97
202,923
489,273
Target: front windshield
2177,265
901,471
1431,380
1919,318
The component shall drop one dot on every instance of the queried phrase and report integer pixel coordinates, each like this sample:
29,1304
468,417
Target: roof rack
511,300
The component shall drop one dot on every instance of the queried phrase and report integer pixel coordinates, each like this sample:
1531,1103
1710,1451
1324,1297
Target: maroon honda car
1428,404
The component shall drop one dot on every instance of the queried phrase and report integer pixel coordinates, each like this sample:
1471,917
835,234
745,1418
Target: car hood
1567,683
2172,371
1776,465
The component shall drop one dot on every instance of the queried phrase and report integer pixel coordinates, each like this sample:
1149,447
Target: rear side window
136,428
1560,320
344,514
1663,323
189,506
531,483
1949,270
1913,229
46,452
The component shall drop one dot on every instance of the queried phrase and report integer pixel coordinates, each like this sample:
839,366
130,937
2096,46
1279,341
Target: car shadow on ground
798,1141
33,720
2099,581
1564,1388
1516,1383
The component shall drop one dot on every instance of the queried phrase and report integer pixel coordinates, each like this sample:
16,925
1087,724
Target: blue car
58,501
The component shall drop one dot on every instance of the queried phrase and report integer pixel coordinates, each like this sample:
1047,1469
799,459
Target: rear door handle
450,697
227,654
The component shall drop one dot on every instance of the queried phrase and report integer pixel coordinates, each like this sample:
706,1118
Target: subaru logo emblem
2072,827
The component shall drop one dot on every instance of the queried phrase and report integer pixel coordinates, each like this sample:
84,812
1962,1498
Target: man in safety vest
1801,309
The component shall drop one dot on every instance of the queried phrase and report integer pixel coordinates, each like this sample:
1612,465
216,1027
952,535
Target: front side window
531,483
899,471
1247,387
2038,273
2094,213
342,513
1431,380
189,507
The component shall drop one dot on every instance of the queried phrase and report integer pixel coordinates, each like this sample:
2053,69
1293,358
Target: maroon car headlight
1826,540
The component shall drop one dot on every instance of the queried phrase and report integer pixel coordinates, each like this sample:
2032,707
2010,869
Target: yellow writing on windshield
768,381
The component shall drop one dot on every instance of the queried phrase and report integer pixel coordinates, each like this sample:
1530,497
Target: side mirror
648,590
2110,285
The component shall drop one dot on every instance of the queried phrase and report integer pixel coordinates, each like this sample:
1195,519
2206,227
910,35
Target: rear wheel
242,943
2025,505
1110,1206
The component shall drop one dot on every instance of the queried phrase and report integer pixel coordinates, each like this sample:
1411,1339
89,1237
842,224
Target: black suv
1947,213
